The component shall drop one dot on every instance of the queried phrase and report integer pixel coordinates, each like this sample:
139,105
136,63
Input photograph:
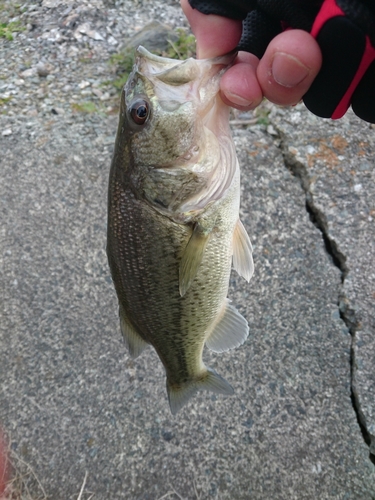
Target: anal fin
192,257
210,381
230,331
242,252
134,342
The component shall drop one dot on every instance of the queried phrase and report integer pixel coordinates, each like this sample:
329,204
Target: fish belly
144,250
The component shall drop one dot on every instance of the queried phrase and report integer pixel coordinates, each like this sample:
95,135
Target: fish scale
173,221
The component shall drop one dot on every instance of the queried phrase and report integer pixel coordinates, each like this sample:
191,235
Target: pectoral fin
242,252
134,342
231,330
192,257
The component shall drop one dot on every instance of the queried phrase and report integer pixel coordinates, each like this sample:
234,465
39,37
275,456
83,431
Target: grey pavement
335,167
302,419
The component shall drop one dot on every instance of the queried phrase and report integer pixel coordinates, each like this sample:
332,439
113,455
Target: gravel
62,56
72,401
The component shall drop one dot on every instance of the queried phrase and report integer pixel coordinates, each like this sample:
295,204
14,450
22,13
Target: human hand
331,68
283,75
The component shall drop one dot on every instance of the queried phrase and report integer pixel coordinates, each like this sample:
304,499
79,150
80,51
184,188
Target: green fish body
173,220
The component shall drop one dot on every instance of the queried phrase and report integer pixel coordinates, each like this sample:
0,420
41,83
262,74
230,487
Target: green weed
4,100
84,107
7,29
261,114
181,48
124,63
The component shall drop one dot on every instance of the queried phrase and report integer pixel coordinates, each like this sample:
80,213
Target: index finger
215,35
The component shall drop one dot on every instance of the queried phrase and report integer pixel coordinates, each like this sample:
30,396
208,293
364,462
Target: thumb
290,64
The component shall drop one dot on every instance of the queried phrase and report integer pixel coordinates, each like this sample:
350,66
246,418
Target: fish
173,220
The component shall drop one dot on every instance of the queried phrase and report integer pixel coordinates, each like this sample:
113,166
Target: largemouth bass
173,220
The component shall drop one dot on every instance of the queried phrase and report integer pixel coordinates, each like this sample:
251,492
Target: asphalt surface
302,420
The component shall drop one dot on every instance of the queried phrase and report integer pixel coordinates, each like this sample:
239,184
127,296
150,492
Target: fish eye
139,111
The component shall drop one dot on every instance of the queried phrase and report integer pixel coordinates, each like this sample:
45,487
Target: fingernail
287,70
237,99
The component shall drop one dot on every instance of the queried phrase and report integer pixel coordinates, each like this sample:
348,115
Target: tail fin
179,396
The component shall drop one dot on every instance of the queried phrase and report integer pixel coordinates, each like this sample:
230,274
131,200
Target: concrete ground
301,424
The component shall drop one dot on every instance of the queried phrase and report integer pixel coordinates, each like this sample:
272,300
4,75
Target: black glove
344,30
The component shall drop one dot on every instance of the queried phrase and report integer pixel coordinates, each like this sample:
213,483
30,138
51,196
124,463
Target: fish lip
224,59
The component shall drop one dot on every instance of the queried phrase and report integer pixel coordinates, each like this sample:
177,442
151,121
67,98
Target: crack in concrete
347,314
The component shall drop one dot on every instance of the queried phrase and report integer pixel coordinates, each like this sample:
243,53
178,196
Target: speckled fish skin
173,220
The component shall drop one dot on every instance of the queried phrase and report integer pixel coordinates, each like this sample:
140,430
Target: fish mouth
183,80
